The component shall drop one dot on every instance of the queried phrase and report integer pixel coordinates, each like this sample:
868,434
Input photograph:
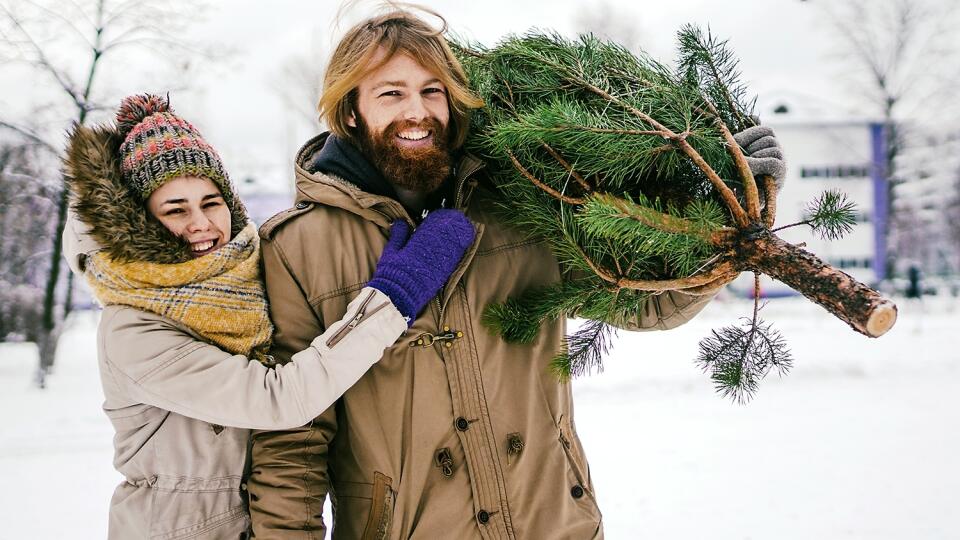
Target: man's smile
414,138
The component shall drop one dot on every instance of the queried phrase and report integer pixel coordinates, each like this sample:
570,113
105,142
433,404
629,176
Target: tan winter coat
169,395
455,433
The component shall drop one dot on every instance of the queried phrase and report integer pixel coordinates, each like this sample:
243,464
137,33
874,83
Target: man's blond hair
397,31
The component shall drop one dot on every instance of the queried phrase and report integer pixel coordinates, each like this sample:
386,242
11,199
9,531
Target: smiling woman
167,249
193,209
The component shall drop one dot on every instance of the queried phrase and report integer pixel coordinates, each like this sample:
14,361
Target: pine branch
831,215
518,320
580,179
770,191
583,351
552,192
750,191
626,169
707,63
603,212
680,139
738,358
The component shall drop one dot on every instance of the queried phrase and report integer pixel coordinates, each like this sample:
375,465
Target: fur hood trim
116,218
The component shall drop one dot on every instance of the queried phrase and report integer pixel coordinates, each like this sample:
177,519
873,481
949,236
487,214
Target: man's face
402,116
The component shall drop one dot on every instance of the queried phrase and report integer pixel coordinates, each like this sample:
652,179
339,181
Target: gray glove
763,153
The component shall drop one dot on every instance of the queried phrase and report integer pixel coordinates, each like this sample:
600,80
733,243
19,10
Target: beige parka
455,433
182,408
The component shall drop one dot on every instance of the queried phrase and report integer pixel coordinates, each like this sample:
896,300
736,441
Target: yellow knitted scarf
220,295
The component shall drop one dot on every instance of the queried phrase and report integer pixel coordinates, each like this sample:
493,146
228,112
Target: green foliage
583,351
542,89
626,222
566,110
738,357
585,142
831,215
519,319
707,64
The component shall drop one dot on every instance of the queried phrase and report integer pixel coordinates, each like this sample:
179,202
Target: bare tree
23,194
902,55
297,84
299,87
71,44
952,217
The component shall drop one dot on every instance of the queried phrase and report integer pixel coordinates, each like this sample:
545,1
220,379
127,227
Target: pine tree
629,170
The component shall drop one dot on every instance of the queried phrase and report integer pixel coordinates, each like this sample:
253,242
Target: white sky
782,45
774,55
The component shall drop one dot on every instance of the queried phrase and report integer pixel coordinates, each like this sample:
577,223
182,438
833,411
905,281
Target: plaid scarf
219,296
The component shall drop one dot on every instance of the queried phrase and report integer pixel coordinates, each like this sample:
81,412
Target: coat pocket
577,461
376,501
212,509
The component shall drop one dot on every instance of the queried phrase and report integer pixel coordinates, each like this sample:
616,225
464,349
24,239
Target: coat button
576,492
462,424
302,204
483,517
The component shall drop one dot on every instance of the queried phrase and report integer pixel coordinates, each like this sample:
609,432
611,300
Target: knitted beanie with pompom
159,146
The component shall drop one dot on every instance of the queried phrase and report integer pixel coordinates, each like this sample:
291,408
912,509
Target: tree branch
63,19
31,136
726,193
698,283
42,60
563,163
657,133
770,198
664,222
549,190
750,192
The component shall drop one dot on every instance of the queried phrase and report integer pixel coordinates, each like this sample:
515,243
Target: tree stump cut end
881,319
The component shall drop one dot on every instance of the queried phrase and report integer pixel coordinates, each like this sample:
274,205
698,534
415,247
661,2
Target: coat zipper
439,308
361,314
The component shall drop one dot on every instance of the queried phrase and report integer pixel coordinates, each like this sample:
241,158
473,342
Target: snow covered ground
861,440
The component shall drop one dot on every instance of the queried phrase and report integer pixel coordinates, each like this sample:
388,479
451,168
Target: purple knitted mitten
413,272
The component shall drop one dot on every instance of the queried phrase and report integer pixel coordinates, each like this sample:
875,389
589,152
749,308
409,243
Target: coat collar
332,190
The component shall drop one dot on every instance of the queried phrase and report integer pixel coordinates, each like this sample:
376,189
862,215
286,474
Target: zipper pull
356,320
347,328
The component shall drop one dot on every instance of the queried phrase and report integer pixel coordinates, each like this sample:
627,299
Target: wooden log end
881,319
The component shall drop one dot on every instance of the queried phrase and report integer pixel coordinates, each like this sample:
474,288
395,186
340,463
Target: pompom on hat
159,146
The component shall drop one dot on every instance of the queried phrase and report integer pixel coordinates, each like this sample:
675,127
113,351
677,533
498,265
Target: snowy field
861,440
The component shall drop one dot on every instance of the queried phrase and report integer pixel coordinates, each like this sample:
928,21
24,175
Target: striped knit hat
159,146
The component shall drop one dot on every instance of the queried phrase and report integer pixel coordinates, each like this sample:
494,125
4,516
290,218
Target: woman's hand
414,267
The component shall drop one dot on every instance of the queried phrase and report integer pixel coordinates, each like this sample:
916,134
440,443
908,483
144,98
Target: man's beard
421,169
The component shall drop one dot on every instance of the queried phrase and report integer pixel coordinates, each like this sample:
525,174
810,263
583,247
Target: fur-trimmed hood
110,213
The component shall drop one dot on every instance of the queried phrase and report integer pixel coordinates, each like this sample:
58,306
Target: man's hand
763,152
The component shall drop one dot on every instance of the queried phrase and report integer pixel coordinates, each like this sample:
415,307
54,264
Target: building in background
826,148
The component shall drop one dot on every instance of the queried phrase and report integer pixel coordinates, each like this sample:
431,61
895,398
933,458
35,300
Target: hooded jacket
181,407
455,433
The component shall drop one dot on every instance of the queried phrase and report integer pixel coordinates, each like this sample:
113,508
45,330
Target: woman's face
193,209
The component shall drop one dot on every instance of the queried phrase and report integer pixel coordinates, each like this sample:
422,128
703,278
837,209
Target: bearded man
455,433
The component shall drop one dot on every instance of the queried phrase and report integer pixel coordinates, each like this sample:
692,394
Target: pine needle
832,215
583,351
739,357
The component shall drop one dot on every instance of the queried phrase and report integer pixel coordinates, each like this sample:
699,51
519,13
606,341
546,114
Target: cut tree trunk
863,308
